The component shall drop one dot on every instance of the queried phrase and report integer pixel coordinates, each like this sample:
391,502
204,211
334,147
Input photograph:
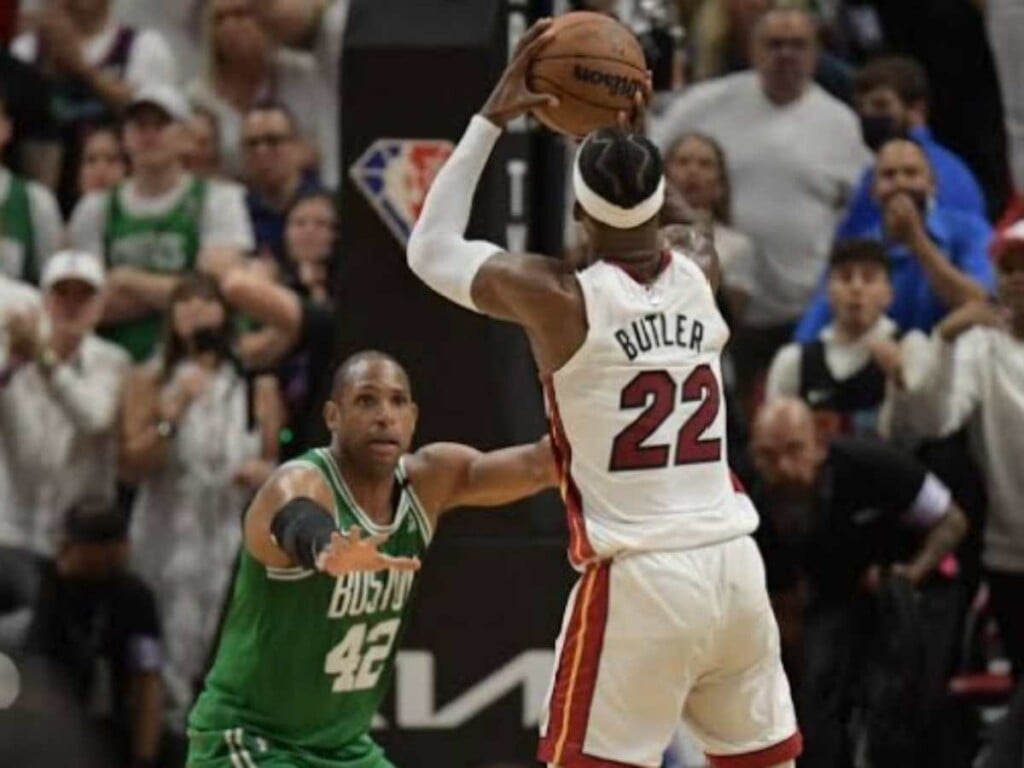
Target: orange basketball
594,66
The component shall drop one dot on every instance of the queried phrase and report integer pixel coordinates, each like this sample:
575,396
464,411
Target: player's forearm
507,475
438,252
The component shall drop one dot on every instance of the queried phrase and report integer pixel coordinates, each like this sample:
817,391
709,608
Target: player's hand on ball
511,97
355,553
635,119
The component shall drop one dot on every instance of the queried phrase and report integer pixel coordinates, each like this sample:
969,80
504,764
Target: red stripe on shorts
580,550
789,749
576,678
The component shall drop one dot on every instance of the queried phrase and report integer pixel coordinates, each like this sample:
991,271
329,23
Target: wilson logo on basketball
617,85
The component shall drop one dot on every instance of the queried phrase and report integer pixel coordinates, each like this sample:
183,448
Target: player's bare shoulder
527,288
435,471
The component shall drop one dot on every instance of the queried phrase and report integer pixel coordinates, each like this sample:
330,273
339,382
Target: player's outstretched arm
450,475
530,290
291,523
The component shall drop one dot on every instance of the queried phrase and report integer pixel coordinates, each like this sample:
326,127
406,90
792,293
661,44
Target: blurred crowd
168,243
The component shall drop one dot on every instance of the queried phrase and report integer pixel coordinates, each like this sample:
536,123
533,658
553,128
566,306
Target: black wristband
303,529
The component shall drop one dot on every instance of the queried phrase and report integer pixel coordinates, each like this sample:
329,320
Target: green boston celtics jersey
167,244
18,257
304,659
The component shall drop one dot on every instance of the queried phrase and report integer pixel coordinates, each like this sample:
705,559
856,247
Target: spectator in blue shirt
939,255
275,179
891,97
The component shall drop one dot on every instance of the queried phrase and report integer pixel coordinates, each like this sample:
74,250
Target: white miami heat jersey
638,418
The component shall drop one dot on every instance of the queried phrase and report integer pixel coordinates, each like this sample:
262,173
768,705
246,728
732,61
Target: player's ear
332,415
415,415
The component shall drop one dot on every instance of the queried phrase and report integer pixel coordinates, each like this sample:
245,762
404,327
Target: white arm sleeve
438,251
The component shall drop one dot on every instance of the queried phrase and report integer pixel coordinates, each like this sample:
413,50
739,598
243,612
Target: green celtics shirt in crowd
305,659
166,244
16,227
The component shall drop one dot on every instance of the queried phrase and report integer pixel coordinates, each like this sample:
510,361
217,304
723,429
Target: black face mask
878,129
210,339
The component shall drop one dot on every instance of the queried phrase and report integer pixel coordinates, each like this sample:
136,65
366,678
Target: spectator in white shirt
247,67
160,223
95,65
59,395
848,373
179,22
976,379
794,155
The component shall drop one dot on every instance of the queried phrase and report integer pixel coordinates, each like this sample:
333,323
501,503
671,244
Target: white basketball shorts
652,637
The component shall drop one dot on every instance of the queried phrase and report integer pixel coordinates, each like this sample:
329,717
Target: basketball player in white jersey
670,617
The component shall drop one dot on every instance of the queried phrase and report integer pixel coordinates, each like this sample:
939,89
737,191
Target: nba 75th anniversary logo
394,176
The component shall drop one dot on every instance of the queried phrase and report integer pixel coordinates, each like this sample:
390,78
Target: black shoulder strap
814,372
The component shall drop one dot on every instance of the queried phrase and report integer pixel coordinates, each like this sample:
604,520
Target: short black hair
859,250
903,74
343,372
273,105
95,521
623,168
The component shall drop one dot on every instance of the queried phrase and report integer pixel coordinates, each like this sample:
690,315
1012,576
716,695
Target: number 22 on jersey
655,392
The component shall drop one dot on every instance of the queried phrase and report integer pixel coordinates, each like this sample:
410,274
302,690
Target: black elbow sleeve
303,528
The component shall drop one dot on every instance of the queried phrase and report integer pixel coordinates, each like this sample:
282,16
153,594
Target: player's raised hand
635,119
512,97
350,553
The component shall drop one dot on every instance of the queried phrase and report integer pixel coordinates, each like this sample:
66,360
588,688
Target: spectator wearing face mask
891,98
198,437
939,255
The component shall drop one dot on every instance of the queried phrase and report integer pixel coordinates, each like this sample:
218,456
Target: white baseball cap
72,265
166,98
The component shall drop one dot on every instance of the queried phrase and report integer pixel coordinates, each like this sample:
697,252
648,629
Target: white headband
611,214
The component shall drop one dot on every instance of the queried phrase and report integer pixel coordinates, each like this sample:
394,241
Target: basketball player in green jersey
308,645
